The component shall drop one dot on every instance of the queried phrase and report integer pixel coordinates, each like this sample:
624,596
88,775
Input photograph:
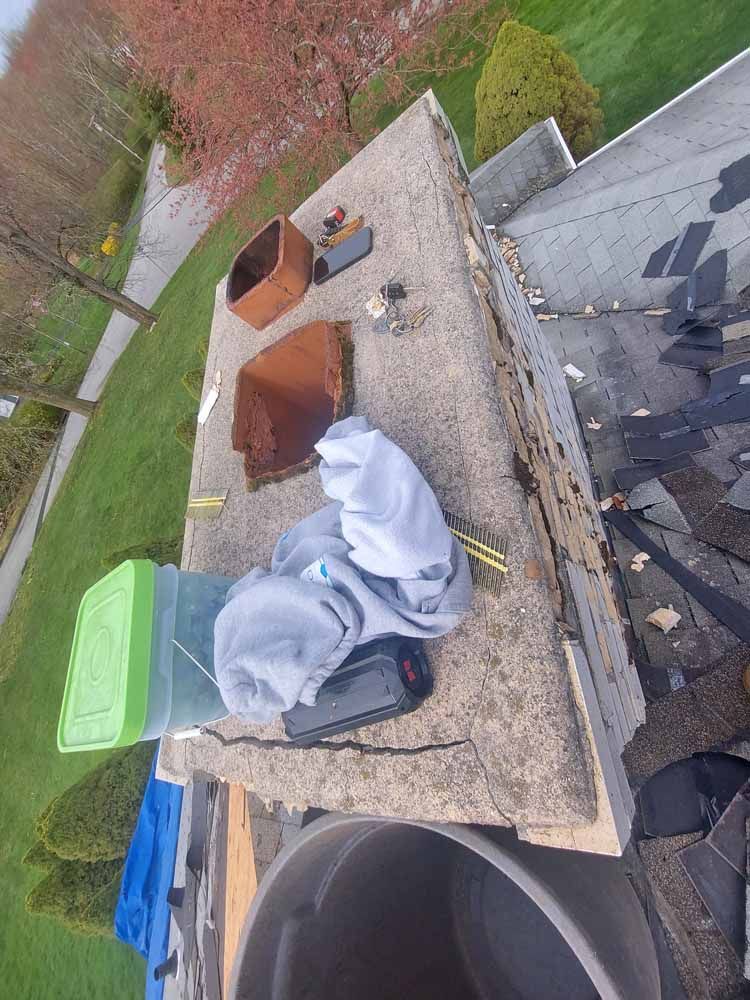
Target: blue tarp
142,912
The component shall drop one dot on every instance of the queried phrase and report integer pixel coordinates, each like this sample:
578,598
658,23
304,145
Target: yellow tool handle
347,230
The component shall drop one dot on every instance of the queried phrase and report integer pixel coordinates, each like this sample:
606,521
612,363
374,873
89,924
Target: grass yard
129,478
638,53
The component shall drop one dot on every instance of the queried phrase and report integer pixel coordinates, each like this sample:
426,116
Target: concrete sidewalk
172,222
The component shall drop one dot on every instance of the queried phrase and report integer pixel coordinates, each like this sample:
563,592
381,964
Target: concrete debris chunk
575,373
593,425
664,618
616,304
536,300
589,310
643,412
638,561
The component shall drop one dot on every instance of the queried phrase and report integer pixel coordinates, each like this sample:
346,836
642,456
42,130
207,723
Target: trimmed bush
192,381
94,819
99,915
162,552
38,856
78,895
527,77
203,347
185,432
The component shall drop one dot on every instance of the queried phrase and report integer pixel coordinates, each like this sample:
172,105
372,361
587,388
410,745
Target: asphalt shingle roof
588,239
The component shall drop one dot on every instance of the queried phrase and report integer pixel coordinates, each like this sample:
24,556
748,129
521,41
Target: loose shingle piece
652,501
630,475
666,447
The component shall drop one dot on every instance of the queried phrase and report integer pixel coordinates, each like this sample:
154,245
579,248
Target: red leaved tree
252,80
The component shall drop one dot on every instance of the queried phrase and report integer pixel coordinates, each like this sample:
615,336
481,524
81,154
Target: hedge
527,77
38,856
79,895
94,819
185,431
193,382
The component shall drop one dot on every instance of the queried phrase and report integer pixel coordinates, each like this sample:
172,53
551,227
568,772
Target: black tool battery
378,681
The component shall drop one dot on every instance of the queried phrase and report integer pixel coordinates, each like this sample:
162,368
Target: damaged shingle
680,255
663,423
630,475
666,447
712,411
705,284
652,501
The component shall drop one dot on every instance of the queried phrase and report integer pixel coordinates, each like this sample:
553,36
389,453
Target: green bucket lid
106,694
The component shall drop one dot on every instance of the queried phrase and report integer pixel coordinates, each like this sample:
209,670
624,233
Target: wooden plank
241,881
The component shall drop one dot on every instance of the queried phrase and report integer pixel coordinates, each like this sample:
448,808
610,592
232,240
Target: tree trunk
21,241
48,394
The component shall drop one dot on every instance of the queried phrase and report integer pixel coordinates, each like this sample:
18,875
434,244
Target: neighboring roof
588,239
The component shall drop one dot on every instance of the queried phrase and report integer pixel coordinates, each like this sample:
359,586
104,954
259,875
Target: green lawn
639,54
129,479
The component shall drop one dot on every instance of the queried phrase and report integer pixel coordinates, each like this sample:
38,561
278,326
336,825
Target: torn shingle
692,350
630,475
657,262
652,501
712,411
705,285
663,423
666,447
688,248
